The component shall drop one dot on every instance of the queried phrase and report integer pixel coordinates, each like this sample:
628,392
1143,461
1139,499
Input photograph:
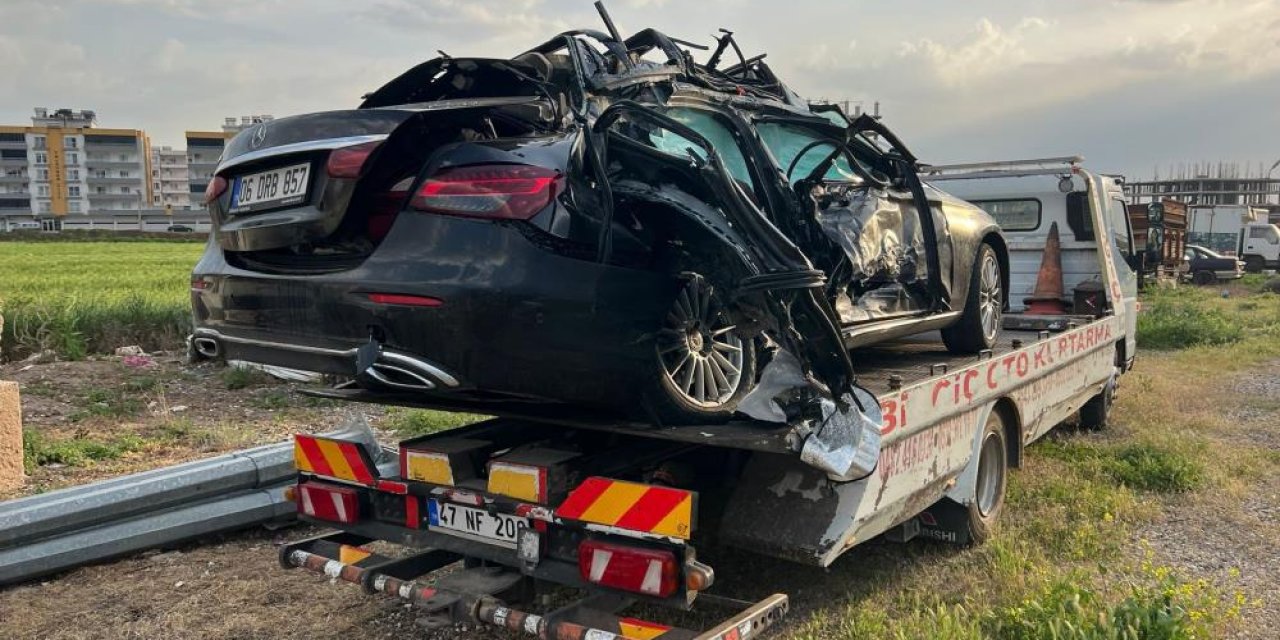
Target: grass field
78,298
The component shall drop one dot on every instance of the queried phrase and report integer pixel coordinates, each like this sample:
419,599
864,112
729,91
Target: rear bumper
515,319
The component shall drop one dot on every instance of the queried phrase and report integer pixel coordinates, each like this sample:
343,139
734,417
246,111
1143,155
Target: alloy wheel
701,353
990,297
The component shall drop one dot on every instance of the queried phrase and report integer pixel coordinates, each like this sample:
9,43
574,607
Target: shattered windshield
787,141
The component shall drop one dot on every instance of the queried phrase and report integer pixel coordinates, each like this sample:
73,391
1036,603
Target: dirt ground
232,586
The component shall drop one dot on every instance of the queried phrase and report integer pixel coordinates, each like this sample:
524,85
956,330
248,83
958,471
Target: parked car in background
581,224
179,228
1239,229
1203,266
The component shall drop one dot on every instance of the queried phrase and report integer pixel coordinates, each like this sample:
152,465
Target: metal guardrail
57,512
59,530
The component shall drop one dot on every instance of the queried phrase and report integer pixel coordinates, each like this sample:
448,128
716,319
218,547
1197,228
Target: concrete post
11,473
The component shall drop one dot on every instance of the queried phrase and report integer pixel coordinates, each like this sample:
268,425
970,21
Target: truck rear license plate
474,524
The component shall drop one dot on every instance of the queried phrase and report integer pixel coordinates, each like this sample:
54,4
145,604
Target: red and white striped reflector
329,502
638,570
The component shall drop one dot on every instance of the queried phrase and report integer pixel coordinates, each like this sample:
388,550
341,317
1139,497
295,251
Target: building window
102,189
69,143
39,142
124,189
73,174
42,158
43,206
42,190
73,158
54,224
42,174
73,206
73,191
124,174
124,157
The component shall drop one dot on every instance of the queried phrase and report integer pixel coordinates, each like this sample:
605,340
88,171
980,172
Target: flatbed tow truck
491,514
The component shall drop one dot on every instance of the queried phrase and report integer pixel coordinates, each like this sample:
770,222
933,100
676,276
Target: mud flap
945,521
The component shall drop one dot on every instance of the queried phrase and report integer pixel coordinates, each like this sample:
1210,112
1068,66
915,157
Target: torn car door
776,284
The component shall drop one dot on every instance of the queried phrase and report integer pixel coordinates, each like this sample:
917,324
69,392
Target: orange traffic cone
1046,300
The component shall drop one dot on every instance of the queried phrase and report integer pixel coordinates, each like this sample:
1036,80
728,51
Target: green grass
410,423
1137,465
79,298
37,451
240,377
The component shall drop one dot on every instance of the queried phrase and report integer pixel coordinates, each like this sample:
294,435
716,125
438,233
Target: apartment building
204,148
170,179
65,165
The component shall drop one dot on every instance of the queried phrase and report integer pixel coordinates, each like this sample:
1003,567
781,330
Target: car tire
1254,264
703,366
1204,277
979,325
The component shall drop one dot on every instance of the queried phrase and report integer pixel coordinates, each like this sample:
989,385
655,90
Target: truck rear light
214,190
503,191
519,481
647,571
348,162
329,502
698,576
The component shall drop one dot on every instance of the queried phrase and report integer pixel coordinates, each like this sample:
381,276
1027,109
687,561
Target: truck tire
1203,277
1254,264
1095,413
979,325
991,481
974,523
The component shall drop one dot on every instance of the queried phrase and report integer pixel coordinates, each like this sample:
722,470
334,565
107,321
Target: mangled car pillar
810,381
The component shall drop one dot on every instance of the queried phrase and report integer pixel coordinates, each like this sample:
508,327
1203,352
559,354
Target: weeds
108,403
79,451
409,423
240,377
1142,466
1177,320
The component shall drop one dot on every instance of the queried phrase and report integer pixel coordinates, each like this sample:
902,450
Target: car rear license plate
268,189
474,524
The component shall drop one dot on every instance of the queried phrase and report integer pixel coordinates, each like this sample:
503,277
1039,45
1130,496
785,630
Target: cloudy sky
1128,83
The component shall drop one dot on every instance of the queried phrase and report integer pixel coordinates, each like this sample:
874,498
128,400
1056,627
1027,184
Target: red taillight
212,191
506,191
648,571
405,300
348,162
328,502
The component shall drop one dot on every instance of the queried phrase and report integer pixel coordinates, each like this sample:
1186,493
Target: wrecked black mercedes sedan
598,221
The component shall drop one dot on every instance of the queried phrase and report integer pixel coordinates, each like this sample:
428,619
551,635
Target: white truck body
1236,230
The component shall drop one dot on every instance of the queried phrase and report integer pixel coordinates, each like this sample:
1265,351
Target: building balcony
8,179
117,196
114,180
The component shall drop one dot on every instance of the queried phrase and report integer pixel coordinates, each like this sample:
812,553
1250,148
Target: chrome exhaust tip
207,347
